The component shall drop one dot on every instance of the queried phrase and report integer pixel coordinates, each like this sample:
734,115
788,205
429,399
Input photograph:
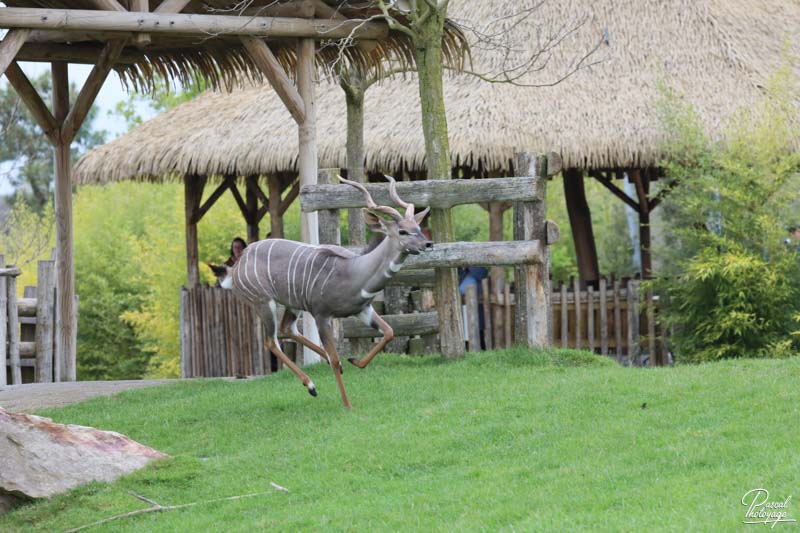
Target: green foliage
25,148
26,235
536,437
732,287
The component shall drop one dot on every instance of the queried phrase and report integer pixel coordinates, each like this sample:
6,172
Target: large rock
39,458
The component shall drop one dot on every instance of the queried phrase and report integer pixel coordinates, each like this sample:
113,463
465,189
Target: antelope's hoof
353,360
312,390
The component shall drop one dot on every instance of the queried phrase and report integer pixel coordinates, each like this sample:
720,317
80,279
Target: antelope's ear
374,222
419,217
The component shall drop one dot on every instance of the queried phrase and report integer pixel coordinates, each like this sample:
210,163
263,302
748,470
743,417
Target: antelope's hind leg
328,340
369,317
289,329
268,316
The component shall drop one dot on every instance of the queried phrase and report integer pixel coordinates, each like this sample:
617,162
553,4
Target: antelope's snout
429,245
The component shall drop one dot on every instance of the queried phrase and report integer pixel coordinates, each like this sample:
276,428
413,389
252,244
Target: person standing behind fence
237,247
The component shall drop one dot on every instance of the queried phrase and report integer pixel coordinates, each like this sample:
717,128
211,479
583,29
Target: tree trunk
428,52
580,219
354,96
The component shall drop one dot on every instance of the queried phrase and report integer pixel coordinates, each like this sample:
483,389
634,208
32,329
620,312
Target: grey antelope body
328,282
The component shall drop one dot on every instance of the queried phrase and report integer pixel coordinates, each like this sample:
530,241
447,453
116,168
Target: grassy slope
503,441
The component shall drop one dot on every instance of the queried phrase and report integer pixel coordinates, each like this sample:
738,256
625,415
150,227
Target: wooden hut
603,119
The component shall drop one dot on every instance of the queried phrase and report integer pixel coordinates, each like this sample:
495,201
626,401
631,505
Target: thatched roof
220,59
718,53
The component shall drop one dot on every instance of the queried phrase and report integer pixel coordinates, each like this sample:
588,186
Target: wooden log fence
27,324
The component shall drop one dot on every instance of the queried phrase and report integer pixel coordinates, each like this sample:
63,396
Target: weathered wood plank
268,64
189,24
617,320
3,327
487,314
651,331
603,317
45,321
508,316
329,219
590,316
462,254
408,324
11,45
33,102
413,278
13,331
576,291
440,194
564,317
473,324
633,321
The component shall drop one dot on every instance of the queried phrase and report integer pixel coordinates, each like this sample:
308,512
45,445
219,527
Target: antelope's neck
378,267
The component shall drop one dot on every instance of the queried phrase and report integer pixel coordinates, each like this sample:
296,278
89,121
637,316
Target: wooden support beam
109,5
66,319
38,109
275,213
290,197
656,201
189,24
237,196
329,219
251,200
142,6
580,220
462,254
616,191
82,53
172,6
437,194
11,45
642,182
193,194
268,64
210,201
90,90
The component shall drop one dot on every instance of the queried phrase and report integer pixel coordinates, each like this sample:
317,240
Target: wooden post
10,46
65,284
576,287
45,313
251,202
193,192
590,316
564,317
13,331
3,326
603,318
275,215
487,315
531,280
497,274
307,166
642,182
508,316
617,319
633,321
329,219
473,324
651,331
580,220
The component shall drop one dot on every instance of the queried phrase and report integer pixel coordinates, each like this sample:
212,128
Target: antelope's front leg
369,317
329,342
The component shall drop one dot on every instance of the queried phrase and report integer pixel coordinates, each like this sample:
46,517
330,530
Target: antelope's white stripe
325,283
255,266
314,283
395,267
306,292
289,273
245,260
269,271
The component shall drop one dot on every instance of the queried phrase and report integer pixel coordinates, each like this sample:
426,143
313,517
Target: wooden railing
615,319
27,327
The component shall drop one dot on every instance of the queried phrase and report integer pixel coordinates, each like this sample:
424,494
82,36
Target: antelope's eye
403,232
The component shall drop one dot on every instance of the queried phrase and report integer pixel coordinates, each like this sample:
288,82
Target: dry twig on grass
156,507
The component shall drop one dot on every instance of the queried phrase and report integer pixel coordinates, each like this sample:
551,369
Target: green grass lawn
511,441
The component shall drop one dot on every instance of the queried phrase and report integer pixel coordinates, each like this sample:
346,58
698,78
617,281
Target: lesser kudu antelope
328,282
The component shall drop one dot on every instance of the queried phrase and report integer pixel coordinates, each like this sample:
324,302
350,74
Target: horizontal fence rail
439,194
463,254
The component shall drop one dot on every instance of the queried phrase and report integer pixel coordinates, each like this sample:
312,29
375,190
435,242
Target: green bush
731,287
